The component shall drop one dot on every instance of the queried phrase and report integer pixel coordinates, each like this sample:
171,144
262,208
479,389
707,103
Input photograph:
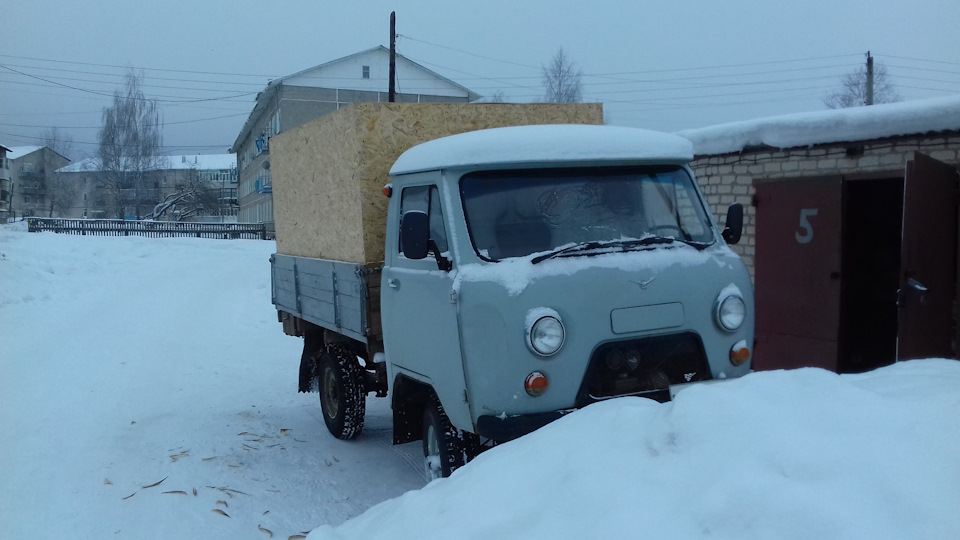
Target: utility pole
393,58
869,79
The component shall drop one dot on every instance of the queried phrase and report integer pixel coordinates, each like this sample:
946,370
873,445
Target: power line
145,76
929,89
144,85
140,68
57,84
701,68
41,139
911,68
467,52
919,59
164,123
100,111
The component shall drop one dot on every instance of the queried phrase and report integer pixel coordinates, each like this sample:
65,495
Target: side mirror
415,234
733,227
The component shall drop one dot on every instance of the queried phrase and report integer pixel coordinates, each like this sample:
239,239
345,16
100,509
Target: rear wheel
343,397
445,448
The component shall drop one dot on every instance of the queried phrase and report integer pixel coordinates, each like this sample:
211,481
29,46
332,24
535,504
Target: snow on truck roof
532,144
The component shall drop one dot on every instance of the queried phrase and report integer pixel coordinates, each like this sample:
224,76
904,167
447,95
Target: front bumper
505,428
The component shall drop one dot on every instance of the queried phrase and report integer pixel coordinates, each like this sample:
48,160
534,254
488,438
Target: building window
366,72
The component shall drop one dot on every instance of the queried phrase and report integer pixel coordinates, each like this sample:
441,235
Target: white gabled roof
84,165
379,49
206,162
17,152
836,125
531,144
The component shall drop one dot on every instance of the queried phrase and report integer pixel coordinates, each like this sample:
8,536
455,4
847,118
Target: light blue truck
529,271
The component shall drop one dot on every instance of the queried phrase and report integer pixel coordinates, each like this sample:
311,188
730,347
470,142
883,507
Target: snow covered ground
128,361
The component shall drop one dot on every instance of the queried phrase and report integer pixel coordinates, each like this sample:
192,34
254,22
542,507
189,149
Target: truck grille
643,367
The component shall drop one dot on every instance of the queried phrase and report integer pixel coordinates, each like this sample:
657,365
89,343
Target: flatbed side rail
339,296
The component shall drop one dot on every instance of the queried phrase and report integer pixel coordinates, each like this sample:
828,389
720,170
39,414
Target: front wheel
444,446
343,398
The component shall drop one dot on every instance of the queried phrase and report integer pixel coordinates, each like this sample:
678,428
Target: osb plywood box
328,174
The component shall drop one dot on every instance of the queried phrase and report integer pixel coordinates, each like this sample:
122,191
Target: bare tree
62,192
193,196
561,80
58,141
853,92
498,97
130,148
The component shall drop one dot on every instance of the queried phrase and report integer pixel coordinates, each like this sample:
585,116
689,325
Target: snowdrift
785,454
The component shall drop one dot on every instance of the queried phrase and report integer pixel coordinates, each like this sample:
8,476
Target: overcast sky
661,65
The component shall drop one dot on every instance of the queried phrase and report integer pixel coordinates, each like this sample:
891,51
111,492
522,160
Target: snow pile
801,454
820,127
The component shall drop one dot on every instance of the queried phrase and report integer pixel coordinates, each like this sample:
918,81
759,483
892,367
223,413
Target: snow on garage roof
837,125
529,144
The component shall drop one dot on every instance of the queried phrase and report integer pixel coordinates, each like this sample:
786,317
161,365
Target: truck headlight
731,312
545,333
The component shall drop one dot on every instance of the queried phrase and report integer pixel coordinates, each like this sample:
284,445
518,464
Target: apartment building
293,100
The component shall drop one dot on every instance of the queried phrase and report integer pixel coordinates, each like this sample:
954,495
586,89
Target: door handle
393,283
918,289
916,285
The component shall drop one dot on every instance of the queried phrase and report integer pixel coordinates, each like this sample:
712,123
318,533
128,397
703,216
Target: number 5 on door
807,229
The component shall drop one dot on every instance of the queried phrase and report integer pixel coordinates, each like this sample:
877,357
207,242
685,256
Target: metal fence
151,229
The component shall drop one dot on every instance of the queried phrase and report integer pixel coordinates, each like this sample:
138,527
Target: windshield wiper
623,244
582,246
700,246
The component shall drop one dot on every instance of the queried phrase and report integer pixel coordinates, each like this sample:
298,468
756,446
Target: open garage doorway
852,274
870,273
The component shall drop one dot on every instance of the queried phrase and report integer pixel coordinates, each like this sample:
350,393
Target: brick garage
852,267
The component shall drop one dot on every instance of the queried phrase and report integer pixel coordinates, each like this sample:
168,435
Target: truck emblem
644,283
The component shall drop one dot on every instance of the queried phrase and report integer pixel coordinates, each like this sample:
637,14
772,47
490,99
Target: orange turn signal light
739,354
536,384
387,191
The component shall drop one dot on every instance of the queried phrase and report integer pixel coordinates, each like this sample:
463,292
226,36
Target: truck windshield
522,212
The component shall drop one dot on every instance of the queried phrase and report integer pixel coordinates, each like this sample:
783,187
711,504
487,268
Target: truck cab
530,271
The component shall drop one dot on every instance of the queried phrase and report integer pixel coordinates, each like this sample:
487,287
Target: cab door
421,332
927,272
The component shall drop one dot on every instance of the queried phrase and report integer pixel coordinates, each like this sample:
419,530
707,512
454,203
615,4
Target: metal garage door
797,273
